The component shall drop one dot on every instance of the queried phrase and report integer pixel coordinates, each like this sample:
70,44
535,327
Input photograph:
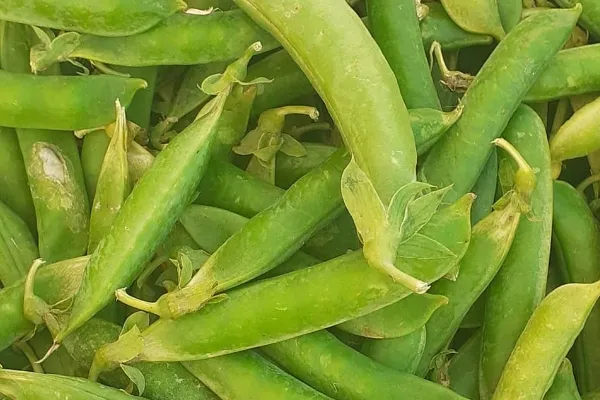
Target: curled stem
524,177
454,80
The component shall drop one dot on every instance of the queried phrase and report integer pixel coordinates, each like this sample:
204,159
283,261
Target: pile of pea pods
299,199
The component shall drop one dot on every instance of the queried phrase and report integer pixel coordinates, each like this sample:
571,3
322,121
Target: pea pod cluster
299,199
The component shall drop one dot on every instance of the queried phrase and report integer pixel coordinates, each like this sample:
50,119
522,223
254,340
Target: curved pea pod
577,137
289,169
590,16
29,385
155,204
171,42
481,16
402,353
248,376
63,102
510,13
53,283
398,319
462,374
460,155
491,239
164,381
388,21
344,374
438,26
324,295
310,203
520,284
121,18
546,340
573,72
93,151
564,386
14,190
576,244
17,247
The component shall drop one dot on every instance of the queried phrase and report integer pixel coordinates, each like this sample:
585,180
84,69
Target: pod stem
590,180
30,355
456,81
524,183
131,301
410,282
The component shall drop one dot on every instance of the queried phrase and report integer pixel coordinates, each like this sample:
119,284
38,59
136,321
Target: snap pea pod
174,41
311,202
93,150
17,247
344,374
482,16
491,239
14,191
463,368
576,244
544,343
323,295
510,13
520,284
52,164
485,189
574,71
515,63
564,386
289,169
248,376
590,16
164,381
402,354
29,385
120,18
390,20
398,319
438,26
160,195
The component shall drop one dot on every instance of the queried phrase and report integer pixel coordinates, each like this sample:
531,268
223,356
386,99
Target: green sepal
291,147
400,222
422,247
136,377
49,51
111,355
420,211
140,319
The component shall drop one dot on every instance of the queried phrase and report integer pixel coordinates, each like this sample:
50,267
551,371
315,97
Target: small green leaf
213,84
48,52
292,147
506,174
42,35
263,170
362,202
136,376
420,211
397,209
249,144
268,152
184,270
256,81
423,248
138,319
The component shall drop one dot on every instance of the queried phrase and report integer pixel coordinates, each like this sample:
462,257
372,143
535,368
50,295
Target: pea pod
590,17
547,338
330,293
485,189
482,16
242,258
122,18
576,244
14,191
564,386
29,385
402,353
17,247
344,374
248,376
510,13
491,239
460,155
388,21
171,42
129,245
520,284
289,169
463,368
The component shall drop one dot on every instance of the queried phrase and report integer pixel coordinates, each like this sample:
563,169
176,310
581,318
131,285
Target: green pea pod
590,16
520,284
93,151
289,169
398,319
481,16
576,244
463,368
485,189
564,386
171,42
491,239
163,381
390,21
17,247
344,374
330,291
577,137
14,190
113,185
29,385
544,343
595,395
402,353
573,72
241,258
460,155
122,18
437,26
248,376
154,205
510,13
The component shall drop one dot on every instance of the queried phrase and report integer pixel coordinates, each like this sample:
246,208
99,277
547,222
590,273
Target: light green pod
545,342
480,16
564,386
510,13
402,353
485,189
463,368
17,247
590,17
